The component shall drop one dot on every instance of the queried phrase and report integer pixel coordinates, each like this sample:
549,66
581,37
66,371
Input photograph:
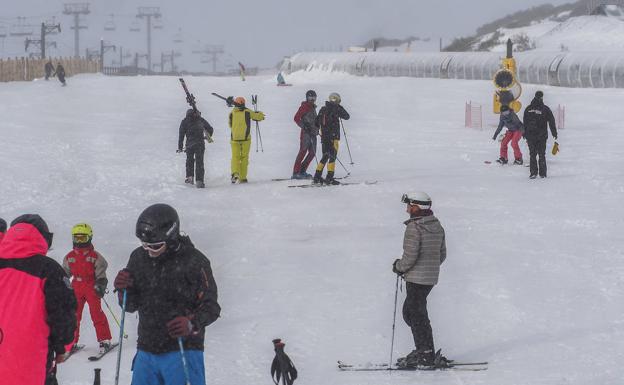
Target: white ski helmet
418,198
334,97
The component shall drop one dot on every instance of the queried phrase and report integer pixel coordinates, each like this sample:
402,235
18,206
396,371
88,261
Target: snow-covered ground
533,283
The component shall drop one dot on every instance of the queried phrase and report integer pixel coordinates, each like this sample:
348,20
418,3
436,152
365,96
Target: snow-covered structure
566,69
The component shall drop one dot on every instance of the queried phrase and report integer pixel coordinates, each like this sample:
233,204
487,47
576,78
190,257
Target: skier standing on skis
87,267
60,73
3,227
424,250
240,124
38,306
195,129
328,120
170,283
306,119
537,116
515,131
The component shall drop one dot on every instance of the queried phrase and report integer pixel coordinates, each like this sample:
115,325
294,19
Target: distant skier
196,129
537,116
87,267
515,130
38,307
424,250
306,119
48,68
280,80
170,283
240,124
3,228
60,73
242,70
328,120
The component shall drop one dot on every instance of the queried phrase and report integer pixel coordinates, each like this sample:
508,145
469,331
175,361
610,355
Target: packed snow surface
533,282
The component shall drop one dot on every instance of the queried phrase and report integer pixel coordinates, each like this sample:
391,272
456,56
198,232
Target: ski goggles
80,238
154,247
413,202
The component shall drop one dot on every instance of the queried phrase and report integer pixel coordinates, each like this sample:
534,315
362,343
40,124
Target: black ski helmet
39,223
3,226
310,94
158,223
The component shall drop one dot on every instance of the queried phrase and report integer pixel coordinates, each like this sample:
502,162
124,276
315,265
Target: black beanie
539,94
39,223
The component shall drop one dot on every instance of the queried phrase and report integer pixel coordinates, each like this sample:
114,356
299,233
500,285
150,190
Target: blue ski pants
167,368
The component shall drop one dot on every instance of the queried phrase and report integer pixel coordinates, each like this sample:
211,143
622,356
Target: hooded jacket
424,250
193,127
537,116
511,121
37,307
177,283
240,122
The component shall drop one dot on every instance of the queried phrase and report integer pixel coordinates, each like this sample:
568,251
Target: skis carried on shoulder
190,99
98,356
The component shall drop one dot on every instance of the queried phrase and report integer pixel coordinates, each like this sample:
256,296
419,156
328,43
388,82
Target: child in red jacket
88,269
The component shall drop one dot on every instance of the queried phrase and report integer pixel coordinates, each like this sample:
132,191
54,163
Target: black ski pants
416,316
537,149
195,162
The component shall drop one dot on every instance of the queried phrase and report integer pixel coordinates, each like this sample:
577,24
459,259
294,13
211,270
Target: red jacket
86,265
37,307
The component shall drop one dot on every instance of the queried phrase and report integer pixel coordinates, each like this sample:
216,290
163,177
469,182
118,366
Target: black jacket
177,283
193,128
60,72
328,120
536,118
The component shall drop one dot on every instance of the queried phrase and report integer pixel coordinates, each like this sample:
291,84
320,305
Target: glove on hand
179,150
394,268
123,280
180,327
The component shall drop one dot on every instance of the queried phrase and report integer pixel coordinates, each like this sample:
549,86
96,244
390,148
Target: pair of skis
461,366
78,347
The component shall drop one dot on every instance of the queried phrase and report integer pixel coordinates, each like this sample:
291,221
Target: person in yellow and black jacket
328,120
240,124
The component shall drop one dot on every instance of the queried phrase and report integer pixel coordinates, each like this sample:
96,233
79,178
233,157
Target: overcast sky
261,32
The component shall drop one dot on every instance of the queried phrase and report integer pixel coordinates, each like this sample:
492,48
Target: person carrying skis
240,124
3,228
424,250
328,120
170,283
38,316
537,116
306,119
87,267
515,130
48,68
60,73
196,129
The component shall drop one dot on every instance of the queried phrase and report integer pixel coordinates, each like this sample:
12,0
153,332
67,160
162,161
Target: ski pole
184,365
121,332
113,314
346,141
343,166
254,101
396,294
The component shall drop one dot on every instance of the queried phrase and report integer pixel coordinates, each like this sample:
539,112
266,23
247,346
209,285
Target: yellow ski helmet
82,233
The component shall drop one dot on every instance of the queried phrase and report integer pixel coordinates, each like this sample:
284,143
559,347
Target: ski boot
330,179
501,160
189,180
234,178
305,175
105,346
518,162
418,359
200,184
297,176
242,181
532,176
318,178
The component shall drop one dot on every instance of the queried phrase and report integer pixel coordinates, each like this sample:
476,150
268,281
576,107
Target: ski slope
534,279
